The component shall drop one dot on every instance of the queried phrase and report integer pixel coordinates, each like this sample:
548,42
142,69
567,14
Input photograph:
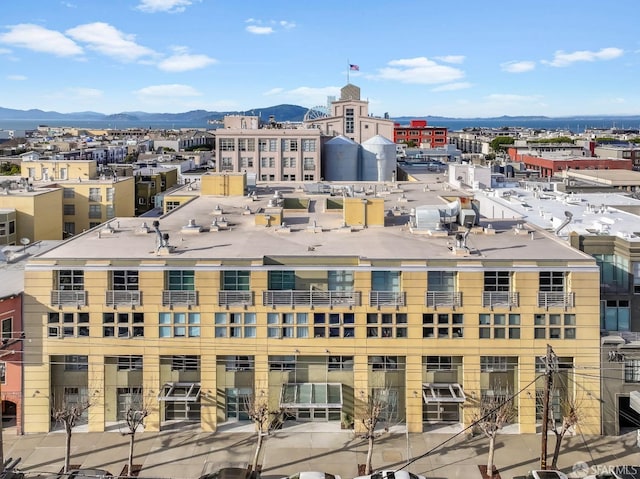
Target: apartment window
95,211
172,205
111,192
385,281
111,211
385,363
282,363
552,281
615,314
246,144
185,363
94,194
333,325
69,210
495,281
76,363
68,193
490,364
129,363
632,371
499,326
442,325
226,163
124,280
7,329
282,280
340,363
122,325
614,272
246,162
438,363
227,144
289,145
289,162
340,280
308,177
235,325
387,325
554,326
308,145
239,363
441,281
287,325
262,145
268,162
349,120
235,280
67,325
3,372
181,280
179,325
71,280
308,164
273,144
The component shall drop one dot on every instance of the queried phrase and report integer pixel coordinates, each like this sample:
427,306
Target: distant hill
280,113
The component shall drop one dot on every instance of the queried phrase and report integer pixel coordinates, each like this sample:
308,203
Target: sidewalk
187,453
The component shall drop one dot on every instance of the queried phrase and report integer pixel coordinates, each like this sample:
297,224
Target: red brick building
551,166
420,134
11,360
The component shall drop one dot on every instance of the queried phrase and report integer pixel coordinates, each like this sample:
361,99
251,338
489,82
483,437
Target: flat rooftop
312,232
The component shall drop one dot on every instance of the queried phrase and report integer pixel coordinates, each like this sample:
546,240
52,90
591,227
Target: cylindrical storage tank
340,159
378,159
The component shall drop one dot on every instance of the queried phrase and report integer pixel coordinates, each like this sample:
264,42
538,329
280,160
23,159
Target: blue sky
416,57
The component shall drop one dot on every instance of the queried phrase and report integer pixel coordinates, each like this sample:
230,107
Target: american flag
354,67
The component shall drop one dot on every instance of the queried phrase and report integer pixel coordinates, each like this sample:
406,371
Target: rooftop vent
191,227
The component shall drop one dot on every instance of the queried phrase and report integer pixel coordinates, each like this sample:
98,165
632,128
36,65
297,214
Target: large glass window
179,325
441,281
125,280
614,272
235,280
235,325
552,281
282,280
616,314
287,325
340,280
385,281
71,279
181,280
632,371
497,281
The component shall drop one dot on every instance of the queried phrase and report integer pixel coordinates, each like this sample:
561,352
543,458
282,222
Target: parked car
391,474
312,475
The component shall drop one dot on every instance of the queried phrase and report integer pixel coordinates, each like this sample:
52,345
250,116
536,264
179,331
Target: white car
391,474
312,475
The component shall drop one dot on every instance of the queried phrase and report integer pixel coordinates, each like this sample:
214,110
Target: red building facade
420,134
552,166
11,360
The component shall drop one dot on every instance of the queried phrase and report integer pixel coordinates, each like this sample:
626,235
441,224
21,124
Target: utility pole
548,382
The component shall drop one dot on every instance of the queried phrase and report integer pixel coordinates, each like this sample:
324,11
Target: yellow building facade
194,321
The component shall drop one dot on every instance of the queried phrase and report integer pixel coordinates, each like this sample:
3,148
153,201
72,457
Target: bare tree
67,414
134,419
494,412
375,409
264,419
570,419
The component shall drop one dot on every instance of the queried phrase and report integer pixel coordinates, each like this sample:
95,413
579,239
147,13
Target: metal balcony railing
446,299
504,299
386,298
64,297
228,298
311,298
553,299
123,298
179,298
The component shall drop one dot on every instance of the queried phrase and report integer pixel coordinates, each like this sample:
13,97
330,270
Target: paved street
187,453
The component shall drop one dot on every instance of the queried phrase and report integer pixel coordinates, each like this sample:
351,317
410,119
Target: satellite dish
24,242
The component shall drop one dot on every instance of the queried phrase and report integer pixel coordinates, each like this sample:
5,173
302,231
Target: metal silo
340,159
378,159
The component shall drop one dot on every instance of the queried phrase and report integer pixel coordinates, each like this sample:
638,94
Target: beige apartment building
313,300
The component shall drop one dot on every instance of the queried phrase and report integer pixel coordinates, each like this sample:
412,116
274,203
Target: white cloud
85,93
109,41
509,98
257,30
419,70
5,51
304,95
453,86
518,67
183,61
287,25
167,6
452,59
563,59
39,39
16,77
174,90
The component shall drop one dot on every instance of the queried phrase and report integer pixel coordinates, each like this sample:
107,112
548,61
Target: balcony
386,298
552,299
446,299
64,297
179,298
235,298
500,299
123,298
311,298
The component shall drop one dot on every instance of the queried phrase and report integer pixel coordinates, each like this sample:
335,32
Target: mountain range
281,113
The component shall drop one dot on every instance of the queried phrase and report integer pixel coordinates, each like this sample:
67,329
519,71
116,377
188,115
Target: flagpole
348,69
